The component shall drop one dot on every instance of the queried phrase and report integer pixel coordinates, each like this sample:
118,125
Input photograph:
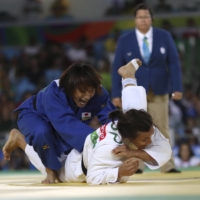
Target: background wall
78,8
84,8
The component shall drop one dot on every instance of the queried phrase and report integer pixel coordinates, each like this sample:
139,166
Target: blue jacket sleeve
63,119
174,65
117,63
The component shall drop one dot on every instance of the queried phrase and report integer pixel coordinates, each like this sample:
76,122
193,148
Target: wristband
128,81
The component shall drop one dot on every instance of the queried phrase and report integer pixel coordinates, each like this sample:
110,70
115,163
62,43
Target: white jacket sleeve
160,150
103,166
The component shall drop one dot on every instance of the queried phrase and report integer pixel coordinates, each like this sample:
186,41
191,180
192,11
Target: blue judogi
52,123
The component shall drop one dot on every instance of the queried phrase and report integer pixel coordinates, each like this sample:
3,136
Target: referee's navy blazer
162,74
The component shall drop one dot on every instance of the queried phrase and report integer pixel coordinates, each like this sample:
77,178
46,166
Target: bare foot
15,140
51,178
128,70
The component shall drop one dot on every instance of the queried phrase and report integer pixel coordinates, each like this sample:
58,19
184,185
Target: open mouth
83,102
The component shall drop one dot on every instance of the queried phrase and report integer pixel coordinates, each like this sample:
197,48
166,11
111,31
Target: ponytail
117,114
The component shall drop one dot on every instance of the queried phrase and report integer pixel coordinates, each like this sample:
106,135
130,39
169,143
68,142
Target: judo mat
151,185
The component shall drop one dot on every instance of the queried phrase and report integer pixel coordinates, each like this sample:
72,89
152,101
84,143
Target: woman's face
81,98
184,152
144,139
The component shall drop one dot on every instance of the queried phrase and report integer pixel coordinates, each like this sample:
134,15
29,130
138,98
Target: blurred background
41,38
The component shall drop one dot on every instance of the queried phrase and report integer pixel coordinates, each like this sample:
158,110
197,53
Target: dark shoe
139,171
173,170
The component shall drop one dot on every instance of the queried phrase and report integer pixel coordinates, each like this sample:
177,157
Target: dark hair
143,6
132,122
80,76
191,153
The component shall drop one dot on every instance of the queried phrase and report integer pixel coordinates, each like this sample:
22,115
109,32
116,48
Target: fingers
133,171
132,163
132,166
123,151
119,149
129,167
128,161
119,153
177,95
6,156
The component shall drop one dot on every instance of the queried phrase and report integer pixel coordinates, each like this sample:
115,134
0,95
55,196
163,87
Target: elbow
169,154
167,157
155,163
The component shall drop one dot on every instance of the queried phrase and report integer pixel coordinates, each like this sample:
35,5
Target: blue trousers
40,134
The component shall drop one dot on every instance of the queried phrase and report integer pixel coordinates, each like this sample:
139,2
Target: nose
88,96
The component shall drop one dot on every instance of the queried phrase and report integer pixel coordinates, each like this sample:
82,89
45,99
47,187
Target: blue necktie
146,52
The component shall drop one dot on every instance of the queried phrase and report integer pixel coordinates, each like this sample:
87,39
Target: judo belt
67,152
34,102
83,167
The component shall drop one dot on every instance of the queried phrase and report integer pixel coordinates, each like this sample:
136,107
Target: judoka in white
111,153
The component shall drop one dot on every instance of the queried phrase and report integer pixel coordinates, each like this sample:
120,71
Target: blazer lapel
154,44
136,47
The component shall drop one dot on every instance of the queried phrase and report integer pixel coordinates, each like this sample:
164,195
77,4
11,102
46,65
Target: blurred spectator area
39,40
30,10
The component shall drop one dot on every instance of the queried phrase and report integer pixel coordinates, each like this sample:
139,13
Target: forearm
143,156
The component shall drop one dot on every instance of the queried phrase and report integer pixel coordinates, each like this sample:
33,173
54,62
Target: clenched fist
128,168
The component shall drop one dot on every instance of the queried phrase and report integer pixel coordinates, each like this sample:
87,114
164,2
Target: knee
42,134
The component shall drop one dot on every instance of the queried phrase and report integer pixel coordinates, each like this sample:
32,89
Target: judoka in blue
56,120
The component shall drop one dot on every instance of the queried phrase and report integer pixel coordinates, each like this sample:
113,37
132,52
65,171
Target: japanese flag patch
86,116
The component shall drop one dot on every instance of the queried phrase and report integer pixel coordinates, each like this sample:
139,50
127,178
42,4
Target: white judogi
102,165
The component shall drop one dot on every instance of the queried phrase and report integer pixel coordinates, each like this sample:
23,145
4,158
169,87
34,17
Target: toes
139,62
45,182
48,182
58,180
52,182
6,156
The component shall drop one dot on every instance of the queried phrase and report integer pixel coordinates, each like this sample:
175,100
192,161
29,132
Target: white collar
148,34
